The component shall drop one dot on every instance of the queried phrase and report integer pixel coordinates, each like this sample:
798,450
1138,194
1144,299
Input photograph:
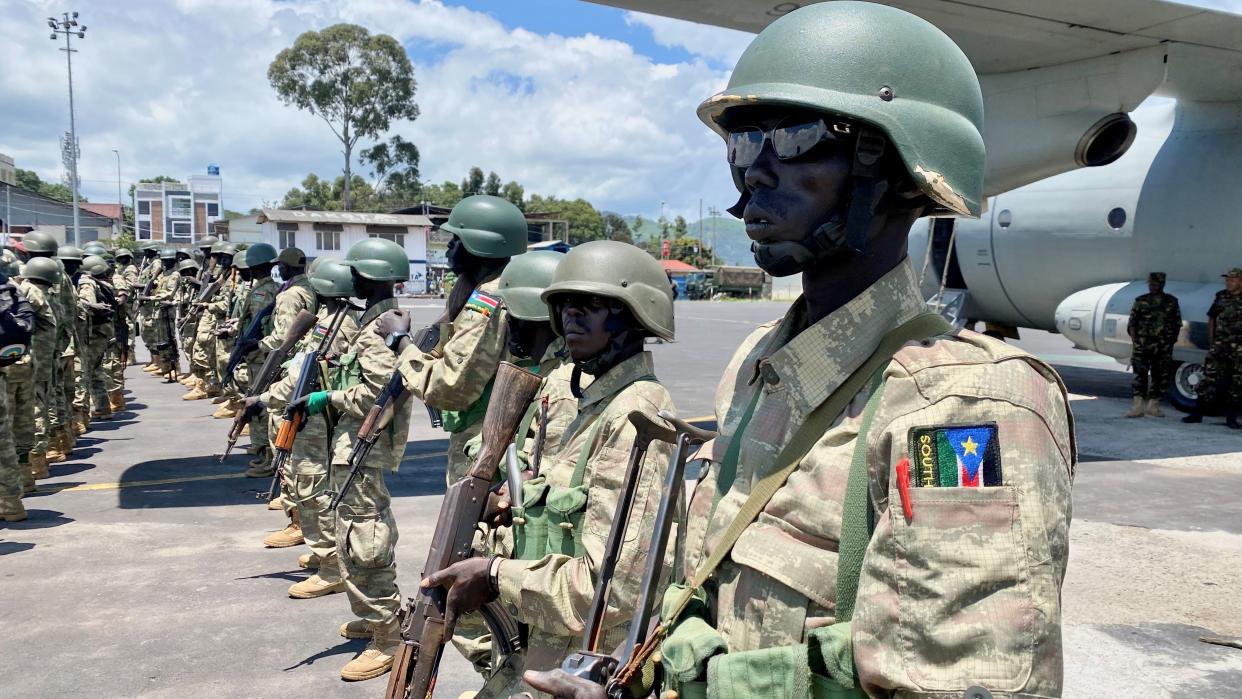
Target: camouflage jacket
39,298
258,297
454,376
553,594
1156,320
366,370
89,295
1226,310
965,592
220,306
65,300
294,296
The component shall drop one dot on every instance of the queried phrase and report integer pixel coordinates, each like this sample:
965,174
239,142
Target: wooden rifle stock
422,629
368,432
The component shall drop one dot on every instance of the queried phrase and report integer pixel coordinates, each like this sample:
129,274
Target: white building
318,233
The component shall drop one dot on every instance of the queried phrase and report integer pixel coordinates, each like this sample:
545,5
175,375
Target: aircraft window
1117,218
1004,219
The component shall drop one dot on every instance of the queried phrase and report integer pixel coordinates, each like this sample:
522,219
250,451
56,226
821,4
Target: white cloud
175,87
717,43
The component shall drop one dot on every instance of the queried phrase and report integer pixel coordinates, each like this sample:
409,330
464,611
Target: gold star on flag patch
959,456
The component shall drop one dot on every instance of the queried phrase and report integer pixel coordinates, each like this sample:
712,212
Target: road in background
140,570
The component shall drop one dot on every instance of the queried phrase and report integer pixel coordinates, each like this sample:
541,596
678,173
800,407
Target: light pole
120,207
68,25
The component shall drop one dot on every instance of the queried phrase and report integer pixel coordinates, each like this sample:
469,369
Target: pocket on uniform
371,540
964,590
606,479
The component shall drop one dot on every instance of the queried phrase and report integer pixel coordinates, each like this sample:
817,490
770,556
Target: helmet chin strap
782,259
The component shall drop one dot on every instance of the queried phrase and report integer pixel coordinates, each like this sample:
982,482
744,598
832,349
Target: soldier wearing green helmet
210,352
163,301
261,293
96,299
15,477
604,300
66,423
148,279
454,378
305,481
230,306
125,281
31,382
866,449
365,526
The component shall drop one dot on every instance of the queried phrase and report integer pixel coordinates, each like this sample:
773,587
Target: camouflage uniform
203,358
147,310
114,368
226,306
163,317
457,377
1222,370
127,278
967,591
1156,320
366,532
553,590
293,296
260,296
42,360
186,293
65,370
306,476
15,476
96,337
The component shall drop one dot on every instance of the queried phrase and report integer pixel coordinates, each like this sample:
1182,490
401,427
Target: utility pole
714,213
120,206
68,26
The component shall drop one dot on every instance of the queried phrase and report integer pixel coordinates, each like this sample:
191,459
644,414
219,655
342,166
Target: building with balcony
177,212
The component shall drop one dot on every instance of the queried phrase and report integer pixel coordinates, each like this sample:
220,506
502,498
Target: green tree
395,167
687,249
29,179
639,222
585,223
314,194
473,183
680,227
515,193
155,180
356,82
446,194
492,186
615,228
229,214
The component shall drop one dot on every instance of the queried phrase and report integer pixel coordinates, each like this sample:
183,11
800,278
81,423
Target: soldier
260,259
1155,322
152,269
607,297
96,299
163,303
216,309
457,377
366,532
16,325
39,276
1222,369
305,484
122,352
887,507
187,291
233,300
201,328
126,282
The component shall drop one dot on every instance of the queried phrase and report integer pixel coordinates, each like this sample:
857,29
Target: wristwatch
393,340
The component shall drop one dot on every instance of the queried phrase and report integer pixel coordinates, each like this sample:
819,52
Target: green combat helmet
620,271
488,226
124,254
69,252
331,278
207,242
168,253
379,260
239,261
260,254
293,257
95,248
39,241
187,264
95,265
9,264
149,246
43,269
898,82
522,283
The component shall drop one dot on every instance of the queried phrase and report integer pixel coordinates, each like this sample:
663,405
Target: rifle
428,338
196,311
308,381
541,436
169,345
376,420
271,365
589,663
247,342
423,632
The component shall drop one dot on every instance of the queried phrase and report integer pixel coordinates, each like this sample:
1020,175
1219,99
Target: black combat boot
1231,419
1193,418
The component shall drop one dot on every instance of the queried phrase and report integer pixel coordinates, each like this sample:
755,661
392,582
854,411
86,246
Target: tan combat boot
152,368
358,628
220,397
214,390
226,411
12,510
1153,408
198,391
116,400
308,561
54,456
277,503
315,586
189,380
38,466
377,659
1136,409
283,539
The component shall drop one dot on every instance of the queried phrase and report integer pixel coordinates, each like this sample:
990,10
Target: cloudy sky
567,97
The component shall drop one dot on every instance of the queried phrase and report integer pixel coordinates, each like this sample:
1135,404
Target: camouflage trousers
188,334
147,321
11,479
458,462
366,536
19,395
64,380
224,348
306,490
203,356
91,391
1153,368
113,367
259,425
1222,378
44,364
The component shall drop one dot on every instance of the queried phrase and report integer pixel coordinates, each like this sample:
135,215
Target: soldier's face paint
584,320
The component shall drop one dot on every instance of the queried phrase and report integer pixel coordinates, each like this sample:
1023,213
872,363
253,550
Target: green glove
317,401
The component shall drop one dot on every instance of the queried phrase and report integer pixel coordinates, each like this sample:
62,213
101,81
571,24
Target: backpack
16,325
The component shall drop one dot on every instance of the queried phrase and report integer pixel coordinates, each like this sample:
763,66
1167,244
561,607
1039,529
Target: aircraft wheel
1183,393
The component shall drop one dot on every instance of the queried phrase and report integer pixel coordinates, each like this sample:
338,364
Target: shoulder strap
857,515
817,422
585,454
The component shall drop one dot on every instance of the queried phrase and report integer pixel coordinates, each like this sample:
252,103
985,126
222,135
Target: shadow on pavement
52,488
348,647
40,519
1108,383
114,424
7,547
291,575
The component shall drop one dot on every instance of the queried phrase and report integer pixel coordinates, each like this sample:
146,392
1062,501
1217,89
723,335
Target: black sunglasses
788,140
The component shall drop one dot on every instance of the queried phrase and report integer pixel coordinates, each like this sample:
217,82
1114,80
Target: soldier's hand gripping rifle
195,311
423,631
428,338
247,342
308,382
169,345
622,679
267,373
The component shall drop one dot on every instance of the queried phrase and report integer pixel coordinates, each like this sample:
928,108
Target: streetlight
120,207
68,25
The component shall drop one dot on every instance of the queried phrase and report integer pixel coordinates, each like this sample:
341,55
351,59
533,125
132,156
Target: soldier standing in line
126,279
305,485
148,277
1222,369
163,302
215,315
95,298
16,324
202,330
121,350
457,376
70,415
20,382
887,507
187,291
607,297
366,532
227,332
1155,322
260,259
39,276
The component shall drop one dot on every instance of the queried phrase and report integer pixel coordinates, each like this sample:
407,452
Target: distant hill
732,245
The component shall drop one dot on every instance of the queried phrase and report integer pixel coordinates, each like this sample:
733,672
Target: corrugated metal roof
677,267
296,216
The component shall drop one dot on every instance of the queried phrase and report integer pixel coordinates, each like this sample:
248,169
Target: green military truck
724,281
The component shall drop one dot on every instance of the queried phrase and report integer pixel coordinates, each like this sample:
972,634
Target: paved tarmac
140,570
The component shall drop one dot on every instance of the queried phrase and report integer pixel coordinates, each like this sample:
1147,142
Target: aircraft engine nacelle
1098,318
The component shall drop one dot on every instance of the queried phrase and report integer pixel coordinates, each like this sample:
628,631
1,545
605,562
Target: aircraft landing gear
1183,393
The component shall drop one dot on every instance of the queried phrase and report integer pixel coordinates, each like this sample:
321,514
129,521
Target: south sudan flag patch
965,456
483,303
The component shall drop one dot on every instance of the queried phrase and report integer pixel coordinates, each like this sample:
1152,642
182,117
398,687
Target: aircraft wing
1052,71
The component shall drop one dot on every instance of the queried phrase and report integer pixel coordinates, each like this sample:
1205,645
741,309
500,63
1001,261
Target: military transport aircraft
1085,198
